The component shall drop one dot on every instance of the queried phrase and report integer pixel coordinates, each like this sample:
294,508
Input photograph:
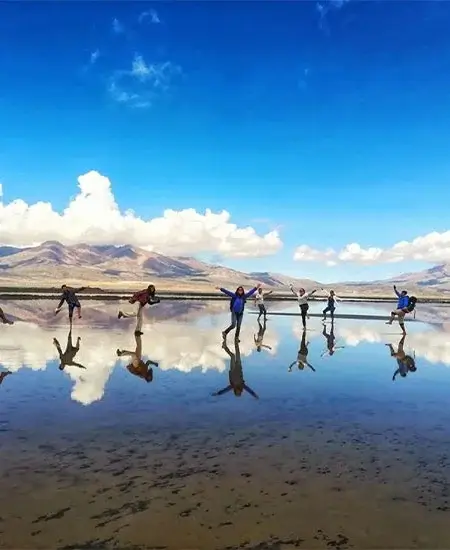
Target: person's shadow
138,367
66,358
302,355
330,340
259,337
235,374
405,363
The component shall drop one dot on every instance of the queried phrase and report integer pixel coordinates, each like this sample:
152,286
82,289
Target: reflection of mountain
174,345
431,345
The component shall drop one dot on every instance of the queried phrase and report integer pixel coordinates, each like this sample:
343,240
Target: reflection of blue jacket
403,301
237,303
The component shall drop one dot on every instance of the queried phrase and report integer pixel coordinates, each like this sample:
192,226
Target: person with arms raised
237,306
141,299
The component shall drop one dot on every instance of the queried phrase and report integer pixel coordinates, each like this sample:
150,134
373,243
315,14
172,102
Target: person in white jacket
302,298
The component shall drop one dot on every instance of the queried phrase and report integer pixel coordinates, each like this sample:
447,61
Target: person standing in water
331,305
259,301
302,298
138,367
69,295
67,357
141,299
5,319
302,355
405,304
237,306
235,374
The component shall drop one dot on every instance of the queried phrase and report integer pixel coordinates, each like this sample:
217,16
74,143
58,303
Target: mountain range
52,263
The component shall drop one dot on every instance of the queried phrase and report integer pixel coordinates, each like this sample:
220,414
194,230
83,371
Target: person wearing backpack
237,306
406,304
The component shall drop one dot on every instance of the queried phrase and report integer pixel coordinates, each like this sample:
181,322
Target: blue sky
328,121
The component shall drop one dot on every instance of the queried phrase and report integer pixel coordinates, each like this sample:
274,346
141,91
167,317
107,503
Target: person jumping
331,306
302,298
237,305
141,299
5,319
69,295
259,301
406,304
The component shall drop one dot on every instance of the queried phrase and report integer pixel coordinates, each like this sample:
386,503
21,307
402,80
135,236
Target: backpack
412,300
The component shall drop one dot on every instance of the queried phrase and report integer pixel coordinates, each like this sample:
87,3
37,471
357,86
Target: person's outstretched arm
250,391
264,346
221,392
293,290
251,292
292,364
395,374
268,293
311,367
397,292
58,347
75,364
61,302
80,289
225,291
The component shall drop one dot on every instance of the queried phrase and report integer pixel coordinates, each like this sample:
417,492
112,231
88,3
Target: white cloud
94,217
151,14
117,26
433,247
143,82
326,6
173,345
94,56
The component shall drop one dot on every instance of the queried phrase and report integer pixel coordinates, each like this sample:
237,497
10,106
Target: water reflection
259,337
302,355
174,345
138,367
405,362
235,373
330,340
66,358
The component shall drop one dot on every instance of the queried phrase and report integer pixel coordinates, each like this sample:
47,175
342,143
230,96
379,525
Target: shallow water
341,457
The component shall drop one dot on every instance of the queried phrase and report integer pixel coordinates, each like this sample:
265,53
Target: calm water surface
339,457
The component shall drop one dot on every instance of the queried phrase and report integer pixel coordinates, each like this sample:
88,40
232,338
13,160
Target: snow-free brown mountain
53,263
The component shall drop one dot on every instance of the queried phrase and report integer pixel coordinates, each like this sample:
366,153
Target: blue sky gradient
330,121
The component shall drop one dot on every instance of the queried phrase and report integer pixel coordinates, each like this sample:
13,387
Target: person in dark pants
237,305
331,306
69,295
5,319
259,301
302,298
235,374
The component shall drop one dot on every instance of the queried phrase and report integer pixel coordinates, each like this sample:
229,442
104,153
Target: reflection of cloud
431,345
177,346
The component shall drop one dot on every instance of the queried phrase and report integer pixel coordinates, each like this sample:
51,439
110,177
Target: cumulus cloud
433,247
94,217
140,85
150,15
173,345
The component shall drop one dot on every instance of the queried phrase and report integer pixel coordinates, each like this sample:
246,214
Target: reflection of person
67,357
5,319
235,374
3,375
405,362
259,338
331,341
141,299
137,366
302,356
69,295
302,298
237,305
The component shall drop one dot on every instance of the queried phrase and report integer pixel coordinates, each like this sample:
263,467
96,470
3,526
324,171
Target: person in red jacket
141,299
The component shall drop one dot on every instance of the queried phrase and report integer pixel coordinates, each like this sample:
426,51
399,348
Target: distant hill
53,263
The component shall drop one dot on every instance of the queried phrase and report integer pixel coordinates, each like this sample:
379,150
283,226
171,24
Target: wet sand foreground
295,483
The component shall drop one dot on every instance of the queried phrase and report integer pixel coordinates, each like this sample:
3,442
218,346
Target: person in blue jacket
237,305
402,307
